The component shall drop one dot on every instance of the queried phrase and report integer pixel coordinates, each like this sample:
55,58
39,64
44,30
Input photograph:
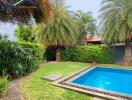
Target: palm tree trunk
58,54
128,54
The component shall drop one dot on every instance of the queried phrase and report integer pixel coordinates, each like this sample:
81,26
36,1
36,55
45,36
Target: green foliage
100,54
62,31
3,37
116,20
24,33
44,12
86,23
3,85
19,58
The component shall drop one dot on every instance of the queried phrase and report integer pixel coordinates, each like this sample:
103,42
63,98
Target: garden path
14,91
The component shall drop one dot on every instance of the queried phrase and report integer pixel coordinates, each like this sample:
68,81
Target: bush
98,53
19,58
3,85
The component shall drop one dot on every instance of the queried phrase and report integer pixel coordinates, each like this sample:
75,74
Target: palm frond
116,20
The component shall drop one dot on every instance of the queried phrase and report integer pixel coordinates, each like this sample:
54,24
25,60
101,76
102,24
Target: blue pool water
116,80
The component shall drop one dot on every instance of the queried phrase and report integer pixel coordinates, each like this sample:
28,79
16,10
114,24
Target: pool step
52,77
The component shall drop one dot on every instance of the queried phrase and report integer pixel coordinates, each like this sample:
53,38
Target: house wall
118,54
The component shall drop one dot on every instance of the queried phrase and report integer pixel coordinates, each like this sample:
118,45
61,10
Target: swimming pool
106,82
116,80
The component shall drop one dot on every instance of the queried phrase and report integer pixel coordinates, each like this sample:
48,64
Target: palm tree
61,32
116,19
86,23
43,10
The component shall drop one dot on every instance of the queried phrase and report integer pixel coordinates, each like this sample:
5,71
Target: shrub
19,58
98,53
3,85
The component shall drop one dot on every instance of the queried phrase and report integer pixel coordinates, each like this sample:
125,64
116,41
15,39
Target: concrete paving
52,77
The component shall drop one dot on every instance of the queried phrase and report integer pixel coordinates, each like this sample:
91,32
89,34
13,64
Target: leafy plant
3,85
3,37
89,54
24,33
19,58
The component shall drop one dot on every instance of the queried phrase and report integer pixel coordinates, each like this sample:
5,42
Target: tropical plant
24,33
3,37
116,20
86,23
47,10
40,10
88,54
19,58
61,32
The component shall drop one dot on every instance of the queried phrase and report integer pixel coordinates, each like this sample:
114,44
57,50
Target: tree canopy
42,11
62,31
116,19
87,24
116,22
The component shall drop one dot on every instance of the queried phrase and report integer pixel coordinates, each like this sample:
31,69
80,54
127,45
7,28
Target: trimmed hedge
98,53
19,58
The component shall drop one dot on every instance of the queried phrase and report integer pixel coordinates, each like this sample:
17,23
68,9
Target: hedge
19,58
97,53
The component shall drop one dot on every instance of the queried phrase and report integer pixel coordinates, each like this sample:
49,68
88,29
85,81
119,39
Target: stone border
93,92
52,77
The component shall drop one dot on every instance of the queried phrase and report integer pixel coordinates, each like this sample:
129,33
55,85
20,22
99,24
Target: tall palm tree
86,23
116,19
46,11
61,32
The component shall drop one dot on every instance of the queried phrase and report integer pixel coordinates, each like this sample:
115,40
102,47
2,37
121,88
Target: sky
7,28
85,5
73,5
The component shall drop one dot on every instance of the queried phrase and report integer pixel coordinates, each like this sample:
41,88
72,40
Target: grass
37,89
116,66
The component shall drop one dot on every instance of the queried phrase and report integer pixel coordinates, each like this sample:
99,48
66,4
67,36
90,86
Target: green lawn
116,66
37,89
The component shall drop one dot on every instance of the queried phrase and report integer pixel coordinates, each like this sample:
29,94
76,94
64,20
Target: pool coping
65,83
